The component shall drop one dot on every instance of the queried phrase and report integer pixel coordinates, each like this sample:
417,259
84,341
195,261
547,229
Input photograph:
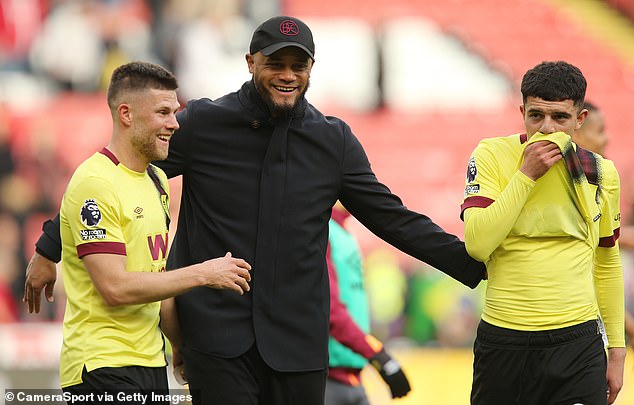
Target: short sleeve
91,210
482,186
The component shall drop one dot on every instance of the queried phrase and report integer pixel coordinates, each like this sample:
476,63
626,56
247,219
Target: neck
128,156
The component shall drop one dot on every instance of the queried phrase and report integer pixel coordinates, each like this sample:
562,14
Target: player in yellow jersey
592,136
544,216
114,228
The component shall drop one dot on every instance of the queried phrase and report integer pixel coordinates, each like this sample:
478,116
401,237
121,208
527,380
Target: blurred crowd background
419,81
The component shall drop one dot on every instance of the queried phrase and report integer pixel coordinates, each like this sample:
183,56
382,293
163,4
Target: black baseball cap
279,32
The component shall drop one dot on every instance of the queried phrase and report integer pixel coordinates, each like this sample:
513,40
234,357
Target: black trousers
554,367
130,385
248,380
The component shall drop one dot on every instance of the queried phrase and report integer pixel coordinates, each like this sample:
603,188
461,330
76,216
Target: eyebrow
556,112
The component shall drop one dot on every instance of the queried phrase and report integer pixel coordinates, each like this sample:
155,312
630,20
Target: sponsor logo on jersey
90,213
92,234
472,189
158,245
138,211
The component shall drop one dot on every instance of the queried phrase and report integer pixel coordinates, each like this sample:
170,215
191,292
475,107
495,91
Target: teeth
285,89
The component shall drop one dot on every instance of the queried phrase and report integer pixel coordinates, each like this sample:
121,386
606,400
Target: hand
227,273
616,361
538,158
41,273
392,374
178,366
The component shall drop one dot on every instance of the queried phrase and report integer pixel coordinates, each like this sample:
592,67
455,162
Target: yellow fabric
584,192
131,218
539,248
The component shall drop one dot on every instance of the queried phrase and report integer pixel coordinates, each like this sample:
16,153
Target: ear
125,114
581,118
522,110
250,62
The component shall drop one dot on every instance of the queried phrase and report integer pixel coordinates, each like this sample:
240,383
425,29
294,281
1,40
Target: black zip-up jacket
272,209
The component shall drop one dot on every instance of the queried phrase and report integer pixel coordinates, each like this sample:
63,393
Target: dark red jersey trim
609,241
477,201
115,248
109,155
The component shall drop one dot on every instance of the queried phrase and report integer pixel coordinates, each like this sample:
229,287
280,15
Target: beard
280,110
146,146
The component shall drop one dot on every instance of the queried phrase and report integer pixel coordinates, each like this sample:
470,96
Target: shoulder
495,147
98,169
501,142
93,185
609,173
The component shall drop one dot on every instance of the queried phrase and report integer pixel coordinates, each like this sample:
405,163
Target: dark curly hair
555,81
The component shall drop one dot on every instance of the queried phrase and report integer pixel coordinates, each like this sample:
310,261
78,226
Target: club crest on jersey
472,171
90,214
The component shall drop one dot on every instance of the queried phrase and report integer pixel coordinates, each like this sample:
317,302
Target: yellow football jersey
108,208
539,240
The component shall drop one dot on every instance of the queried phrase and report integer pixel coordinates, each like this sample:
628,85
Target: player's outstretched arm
120,287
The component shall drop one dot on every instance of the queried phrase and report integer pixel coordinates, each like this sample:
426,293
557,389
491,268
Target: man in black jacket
261,171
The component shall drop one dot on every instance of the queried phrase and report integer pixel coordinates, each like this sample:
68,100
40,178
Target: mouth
284,89
164,138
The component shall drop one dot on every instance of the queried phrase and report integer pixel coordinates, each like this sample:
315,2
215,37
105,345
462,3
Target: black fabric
556,367
121,385
248,380
220,150
272,183
49,244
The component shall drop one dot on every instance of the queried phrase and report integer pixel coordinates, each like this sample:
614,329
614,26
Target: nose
547,126
172,123
287,74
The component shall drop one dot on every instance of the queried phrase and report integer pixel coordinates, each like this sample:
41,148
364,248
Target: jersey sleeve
491,210
608,269
610,221
482,186
91,210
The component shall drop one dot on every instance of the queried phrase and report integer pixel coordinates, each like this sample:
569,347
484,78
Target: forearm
486,228
608,280
345,331
118,286
144,287
169,322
